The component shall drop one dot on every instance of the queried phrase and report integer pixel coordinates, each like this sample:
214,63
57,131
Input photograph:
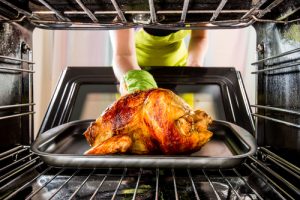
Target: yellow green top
167,50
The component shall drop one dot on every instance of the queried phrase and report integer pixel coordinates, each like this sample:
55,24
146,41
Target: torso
157,47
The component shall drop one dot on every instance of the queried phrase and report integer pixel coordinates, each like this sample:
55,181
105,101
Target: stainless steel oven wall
279,86
15,85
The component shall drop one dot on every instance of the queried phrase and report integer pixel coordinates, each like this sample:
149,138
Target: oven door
84,92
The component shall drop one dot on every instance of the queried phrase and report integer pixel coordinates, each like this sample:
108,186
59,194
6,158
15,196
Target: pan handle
243,135
52,133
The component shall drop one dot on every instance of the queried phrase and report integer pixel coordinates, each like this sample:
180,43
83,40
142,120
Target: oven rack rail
270,170
148,17
276,109
17,61
3,69
262,61
271,64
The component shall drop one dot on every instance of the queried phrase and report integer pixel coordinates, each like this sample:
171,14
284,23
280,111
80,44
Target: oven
271,173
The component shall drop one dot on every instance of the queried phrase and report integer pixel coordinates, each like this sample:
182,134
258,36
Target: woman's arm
197,48
125,63
124,55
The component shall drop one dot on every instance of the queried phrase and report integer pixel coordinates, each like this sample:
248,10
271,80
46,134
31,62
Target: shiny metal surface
254,8
20,10
137,184
277,56
87,11
16,84
173,15
217,12
119,11
56,12
277,120
295,189
291,168
212,186
100,185
278,85
270,7
276,109
276,68
16,105
16,59
229,146
157,184
184,10
16,115
17,70
250,180
152,12
13,152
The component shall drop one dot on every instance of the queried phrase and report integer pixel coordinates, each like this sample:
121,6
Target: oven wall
15,85
279,88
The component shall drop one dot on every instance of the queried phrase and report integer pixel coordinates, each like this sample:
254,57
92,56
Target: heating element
265,176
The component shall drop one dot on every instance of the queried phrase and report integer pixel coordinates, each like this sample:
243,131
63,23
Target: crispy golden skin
149,122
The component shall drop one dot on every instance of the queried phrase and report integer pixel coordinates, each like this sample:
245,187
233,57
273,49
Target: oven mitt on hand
135,80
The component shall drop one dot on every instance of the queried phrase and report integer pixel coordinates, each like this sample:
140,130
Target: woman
133,50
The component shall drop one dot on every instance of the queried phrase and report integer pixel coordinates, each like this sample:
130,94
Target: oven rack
3,69
271,108
268,64
262,61
27,172
275,120
121,16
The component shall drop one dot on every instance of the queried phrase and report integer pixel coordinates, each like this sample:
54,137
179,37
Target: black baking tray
63,146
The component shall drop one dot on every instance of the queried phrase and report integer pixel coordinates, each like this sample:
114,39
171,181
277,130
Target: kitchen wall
55,50
234,48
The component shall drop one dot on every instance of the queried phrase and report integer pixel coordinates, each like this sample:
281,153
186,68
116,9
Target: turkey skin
156,121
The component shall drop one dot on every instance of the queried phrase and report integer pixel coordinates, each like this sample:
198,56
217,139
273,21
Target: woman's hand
137,80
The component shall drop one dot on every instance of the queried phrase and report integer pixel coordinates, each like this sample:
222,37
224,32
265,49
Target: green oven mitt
138,80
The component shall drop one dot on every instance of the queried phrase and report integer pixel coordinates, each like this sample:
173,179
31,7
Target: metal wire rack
16,61
25,176
271,64
115,15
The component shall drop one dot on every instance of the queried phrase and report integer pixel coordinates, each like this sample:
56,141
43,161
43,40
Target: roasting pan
63,146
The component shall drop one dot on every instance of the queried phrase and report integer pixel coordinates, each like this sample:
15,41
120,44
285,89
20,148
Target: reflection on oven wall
55,50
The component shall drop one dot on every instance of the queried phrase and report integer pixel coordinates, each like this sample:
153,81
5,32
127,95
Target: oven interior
272,173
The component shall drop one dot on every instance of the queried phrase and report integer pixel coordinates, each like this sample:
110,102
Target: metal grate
288,59
264,176
79,14
3,69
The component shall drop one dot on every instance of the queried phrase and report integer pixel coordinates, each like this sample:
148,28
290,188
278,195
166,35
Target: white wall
234,48
54,50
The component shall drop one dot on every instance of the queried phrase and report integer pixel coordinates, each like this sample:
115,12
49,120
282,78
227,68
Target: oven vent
170,14
266,175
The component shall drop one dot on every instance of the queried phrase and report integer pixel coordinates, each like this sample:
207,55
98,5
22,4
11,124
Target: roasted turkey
149,122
